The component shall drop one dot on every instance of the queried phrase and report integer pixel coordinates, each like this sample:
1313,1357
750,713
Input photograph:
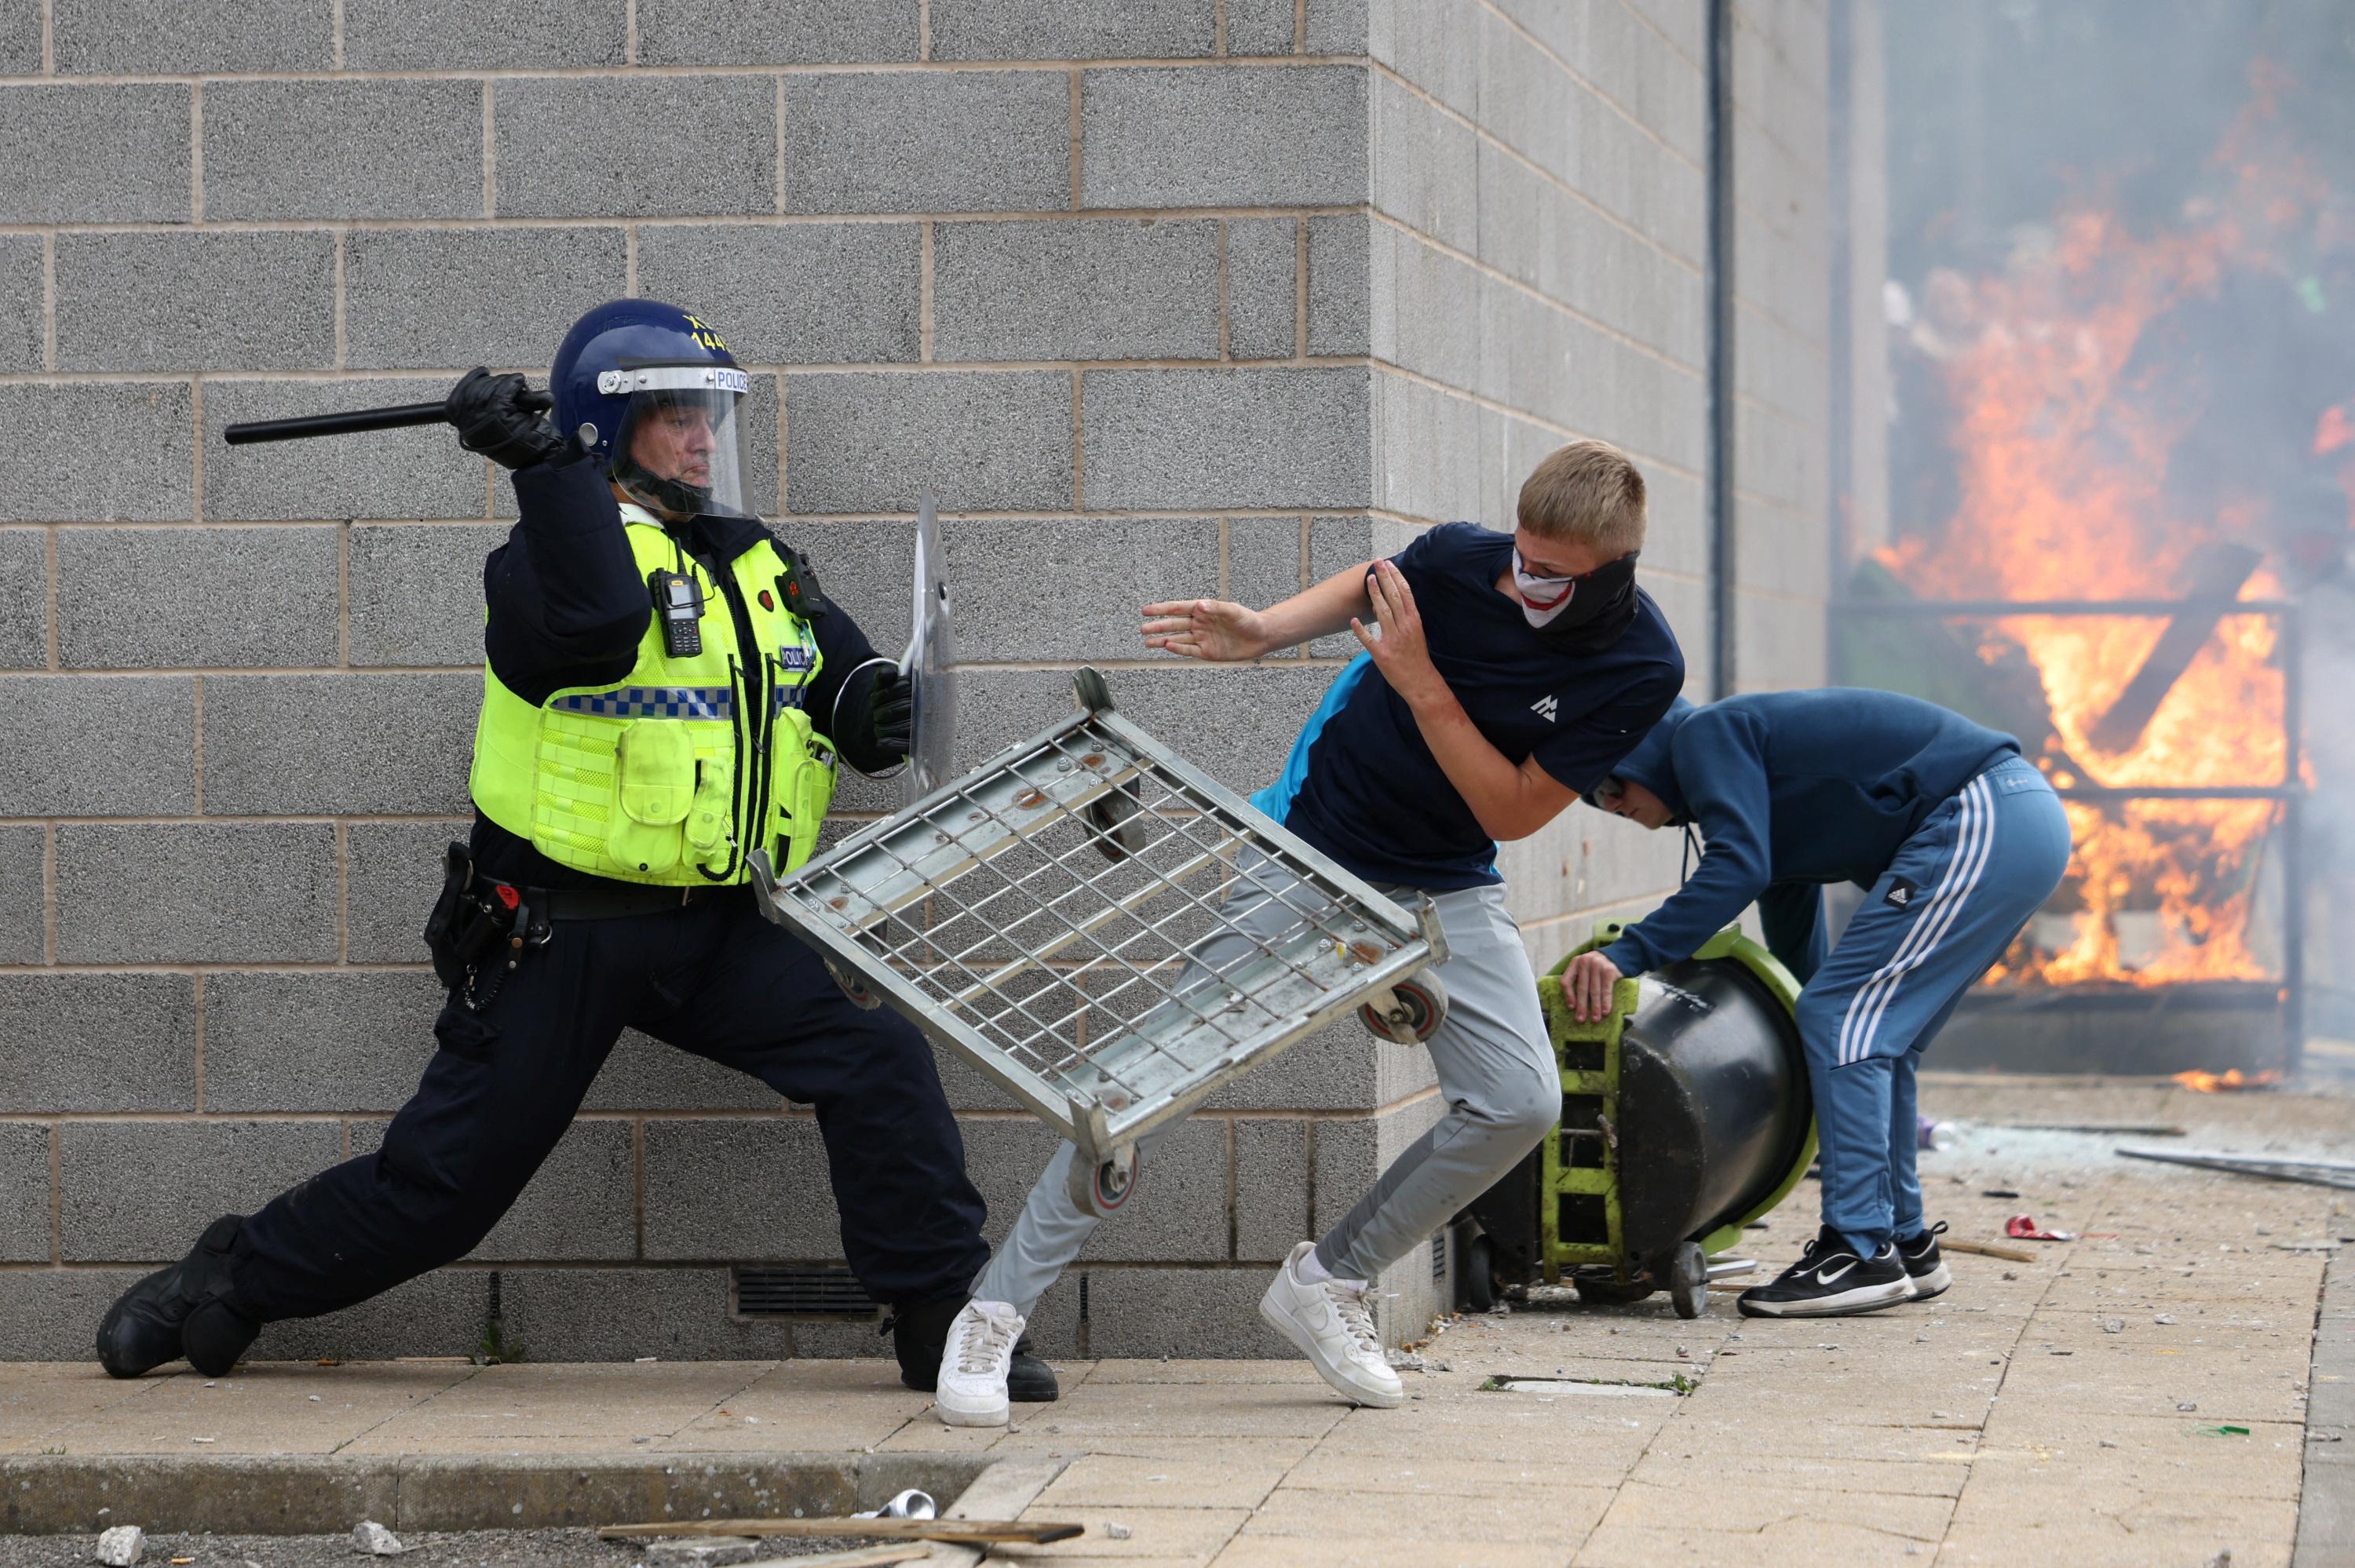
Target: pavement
2151,1392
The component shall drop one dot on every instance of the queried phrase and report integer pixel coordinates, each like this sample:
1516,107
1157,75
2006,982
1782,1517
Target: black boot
921,1333
188,1309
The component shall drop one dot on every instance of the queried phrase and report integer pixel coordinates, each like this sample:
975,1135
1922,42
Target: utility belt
480,928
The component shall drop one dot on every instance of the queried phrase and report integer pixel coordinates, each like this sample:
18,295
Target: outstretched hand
1399,652
1216,630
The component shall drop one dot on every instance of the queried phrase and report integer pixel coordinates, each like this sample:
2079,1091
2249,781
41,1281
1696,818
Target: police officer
667,691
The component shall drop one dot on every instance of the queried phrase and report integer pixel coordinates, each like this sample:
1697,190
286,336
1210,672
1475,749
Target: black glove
499,417
890,714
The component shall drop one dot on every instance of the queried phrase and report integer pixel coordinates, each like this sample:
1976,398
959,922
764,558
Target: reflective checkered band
652,701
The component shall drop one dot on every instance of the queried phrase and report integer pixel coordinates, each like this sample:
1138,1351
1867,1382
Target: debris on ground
1118,1532
2023,1227
910,1504
375,1540
121,1546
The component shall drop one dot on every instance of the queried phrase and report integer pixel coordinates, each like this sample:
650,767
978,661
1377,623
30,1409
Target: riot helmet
652,394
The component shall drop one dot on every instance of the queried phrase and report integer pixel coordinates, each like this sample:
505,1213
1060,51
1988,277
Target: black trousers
712,978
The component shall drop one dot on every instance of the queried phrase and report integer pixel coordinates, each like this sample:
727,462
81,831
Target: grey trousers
1496,1069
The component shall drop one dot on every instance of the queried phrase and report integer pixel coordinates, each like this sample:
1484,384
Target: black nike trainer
1831,1281
1924,1266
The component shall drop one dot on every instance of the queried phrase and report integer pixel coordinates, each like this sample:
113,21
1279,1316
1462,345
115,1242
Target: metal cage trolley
1057,918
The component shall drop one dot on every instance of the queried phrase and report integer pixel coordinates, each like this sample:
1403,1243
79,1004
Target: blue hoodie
1792,790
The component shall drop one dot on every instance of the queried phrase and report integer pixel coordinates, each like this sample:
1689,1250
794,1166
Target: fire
2231,1079
2062,444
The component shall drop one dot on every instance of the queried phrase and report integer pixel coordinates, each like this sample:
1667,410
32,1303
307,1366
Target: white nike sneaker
972,1388
1334,1324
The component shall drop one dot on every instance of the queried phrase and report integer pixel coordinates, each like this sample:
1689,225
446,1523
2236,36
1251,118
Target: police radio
678,600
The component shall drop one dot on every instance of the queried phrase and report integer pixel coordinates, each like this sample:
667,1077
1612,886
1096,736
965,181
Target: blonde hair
1587,491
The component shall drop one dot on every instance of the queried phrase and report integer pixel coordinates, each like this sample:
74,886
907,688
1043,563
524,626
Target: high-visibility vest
674,774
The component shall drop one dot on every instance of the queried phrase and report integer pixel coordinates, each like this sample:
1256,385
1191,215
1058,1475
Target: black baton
392,418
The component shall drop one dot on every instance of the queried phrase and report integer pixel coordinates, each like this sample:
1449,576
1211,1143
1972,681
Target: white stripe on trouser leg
1859,1006
1982,851
1937,918
1864,1006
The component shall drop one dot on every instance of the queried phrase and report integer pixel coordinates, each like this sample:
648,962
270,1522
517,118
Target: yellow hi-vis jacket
675,773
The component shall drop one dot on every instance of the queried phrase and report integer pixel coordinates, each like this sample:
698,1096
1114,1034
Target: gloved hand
891,713
499,417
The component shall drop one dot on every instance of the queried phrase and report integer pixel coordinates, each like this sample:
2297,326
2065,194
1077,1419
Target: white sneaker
1332,1322
972,1388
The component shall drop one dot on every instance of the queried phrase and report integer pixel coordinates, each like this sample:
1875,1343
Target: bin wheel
1106,1189
1608,1291
1688,1280
1476,1275
1118,833
854,988
1409,1013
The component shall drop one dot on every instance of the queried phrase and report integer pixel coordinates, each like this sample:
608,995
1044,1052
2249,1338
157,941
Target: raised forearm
1318,611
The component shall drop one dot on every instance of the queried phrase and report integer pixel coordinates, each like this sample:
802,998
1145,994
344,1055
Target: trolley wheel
854,988
1608,1290
1118,834
1412,1013
1104,1190
1476,1278
1093,694
1688,1280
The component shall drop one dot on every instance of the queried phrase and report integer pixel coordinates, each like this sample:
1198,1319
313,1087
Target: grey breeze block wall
1161,297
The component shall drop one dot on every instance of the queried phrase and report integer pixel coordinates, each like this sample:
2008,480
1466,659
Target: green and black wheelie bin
1685,1116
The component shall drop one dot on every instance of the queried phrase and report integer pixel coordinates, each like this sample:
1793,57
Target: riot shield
928,667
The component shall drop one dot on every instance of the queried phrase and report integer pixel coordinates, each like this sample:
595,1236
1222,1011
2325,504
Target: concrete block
700,1205
817,293
1180,1213
1226,136
134,1192
437,1314
983,441
778,32
501,296
1522,96
1264,559
1262,287
96,154
415,594
1339,1068
24,893
1105,289
1683,23
1340,284
276,745
318,1040
143,429
1160,1312
23,328
24,1193
865,567
392,873
97,746
1056,30
663,146
24,598
418,472
20,39
621,1314
1258,438
1235,723
1434,44
581,1205
124,38
1631,175
1270,1189
1427,309
642,1074
1336,544
485,34
1426,167
205,302
53,1313
929,142
1082,584
202,598
234,893
1260,27
1431,452
98,1043
344,150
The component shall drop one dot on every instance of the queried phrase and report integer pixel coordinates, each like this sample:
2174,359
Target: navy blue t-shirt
1363,786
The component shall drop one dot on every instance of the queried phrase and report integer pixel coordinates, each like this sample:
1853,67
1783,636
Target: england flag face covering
1583,614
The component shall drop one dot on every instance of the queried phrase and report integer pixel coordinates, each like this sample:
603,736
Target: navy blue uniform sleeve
1720,761
1585,752
1791,916
837,697
567,606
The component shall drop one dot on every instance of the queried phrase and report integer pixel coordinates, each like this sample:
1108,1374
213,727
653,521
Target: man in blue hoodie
1957,840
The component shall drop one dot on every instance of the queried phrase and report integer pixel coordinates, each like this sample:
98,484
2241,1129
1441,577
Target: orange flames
2063,457
2231,1079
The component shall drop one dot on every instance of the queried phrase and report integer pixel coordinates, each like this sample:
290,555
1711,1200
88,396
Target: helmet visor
680,446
